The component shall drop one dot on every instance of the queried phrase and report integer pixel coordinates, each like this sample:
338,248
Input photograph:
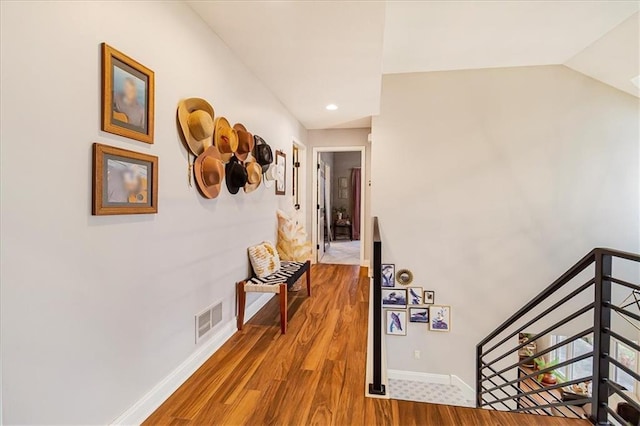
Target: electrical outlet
416,354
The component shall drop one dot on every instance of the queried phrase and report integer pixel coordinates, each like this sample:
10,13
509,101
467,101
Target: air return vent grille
207,320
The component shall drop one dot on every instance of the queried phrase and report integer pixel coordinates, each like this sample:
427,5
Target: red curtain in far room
355,190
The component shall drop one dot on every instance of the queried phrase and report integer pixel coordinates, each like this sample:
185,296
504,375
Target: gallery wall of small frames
126,182
405,302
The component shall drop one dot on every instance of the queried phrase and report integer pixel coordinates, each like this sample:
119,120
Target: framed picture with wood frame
127,96
281,173
440,318
124,182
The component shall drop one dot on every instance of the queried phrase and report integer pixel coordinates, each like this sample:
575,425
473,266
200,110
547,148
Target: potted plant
550,377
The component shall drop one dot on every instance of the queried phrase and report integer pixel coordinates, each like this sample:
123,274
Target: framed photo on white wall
396,324
440,318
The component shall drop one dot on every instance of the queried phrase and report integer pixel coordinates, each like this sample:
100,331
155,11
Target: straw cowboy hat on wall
254,175
209,171
225,138
245,142
196,119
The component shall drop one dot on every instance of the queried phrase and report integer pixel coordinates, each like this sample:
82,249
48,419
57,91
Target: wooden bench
279,283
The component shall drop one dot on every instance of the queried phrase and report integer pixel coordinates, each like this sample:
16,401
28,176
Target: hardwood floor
313,375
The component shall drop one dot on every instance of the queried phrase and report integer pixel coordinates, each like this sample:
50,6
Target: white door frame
314,193
302,181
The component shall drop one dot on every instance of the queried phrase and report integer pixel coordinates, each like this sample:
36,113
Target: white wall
97,310
339,138
491,183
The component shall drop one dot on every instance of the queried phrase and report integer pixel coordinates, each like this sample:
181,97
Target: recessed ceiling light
332,107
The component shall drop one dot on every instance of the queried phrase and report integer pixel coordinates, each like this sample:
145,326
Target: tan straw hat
245,142
209,171
254,175
196,122
225,138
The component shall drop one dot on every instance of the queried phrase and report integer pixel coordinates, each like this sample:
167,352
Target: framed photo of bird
429,297
440,318
394,297
396,323
416,296
419,315
388,275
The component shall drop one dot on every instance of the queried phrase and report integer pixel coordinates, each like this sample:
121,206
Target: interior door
321,210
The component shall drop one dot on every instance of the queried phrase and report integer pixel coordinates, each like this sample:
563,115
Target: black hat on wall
262,152
236,175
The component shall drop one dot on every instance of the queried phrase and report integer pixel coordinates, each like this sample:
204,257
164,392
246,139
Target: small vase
339,215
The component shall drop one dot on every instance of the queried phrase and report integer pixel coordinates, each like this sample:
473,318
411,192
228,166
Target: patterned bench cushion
289,273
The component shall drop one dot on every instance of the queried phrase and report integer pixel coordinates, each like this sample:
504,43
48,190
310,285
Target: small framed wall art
281,169
394,297
343,182
127,96
419,315
124,182
388,274
440,318
415,296
429,297
396,322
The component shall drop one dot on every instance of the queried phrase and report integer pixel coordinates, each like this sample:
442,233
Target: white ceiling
310,54
313,53
613,59
437,36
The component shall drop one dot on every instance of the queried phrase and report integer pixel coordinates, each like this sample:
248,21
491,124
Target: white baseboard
144,407
467,390
444,379
415,376
366,263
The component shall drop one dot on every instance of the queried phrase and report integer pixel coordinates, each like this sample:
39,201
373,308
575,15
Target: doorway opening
339,192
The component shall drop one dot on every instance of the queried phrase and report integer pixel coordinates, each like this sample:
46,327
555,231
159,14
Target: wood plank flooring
313,375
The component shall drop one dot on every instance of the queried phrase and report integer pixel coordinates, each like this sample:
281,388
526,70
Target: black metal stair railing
505,379
376,387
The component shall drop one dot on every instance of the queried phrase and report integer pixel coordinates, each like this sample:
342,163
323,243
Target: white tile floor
342,253
434,393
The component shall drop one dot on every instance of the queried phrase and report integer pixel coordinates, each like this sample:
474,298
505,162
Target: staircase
573,350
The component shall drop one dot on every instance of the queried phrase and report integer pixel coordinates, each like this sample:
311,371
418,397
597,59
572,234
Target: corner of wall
468,392
146,405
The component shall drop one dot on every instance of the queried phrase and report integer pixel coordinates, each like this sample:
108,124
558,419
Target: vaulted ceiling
315,53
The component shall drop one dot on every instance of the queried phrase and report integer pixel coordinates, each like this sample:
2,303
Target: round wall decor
404,276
